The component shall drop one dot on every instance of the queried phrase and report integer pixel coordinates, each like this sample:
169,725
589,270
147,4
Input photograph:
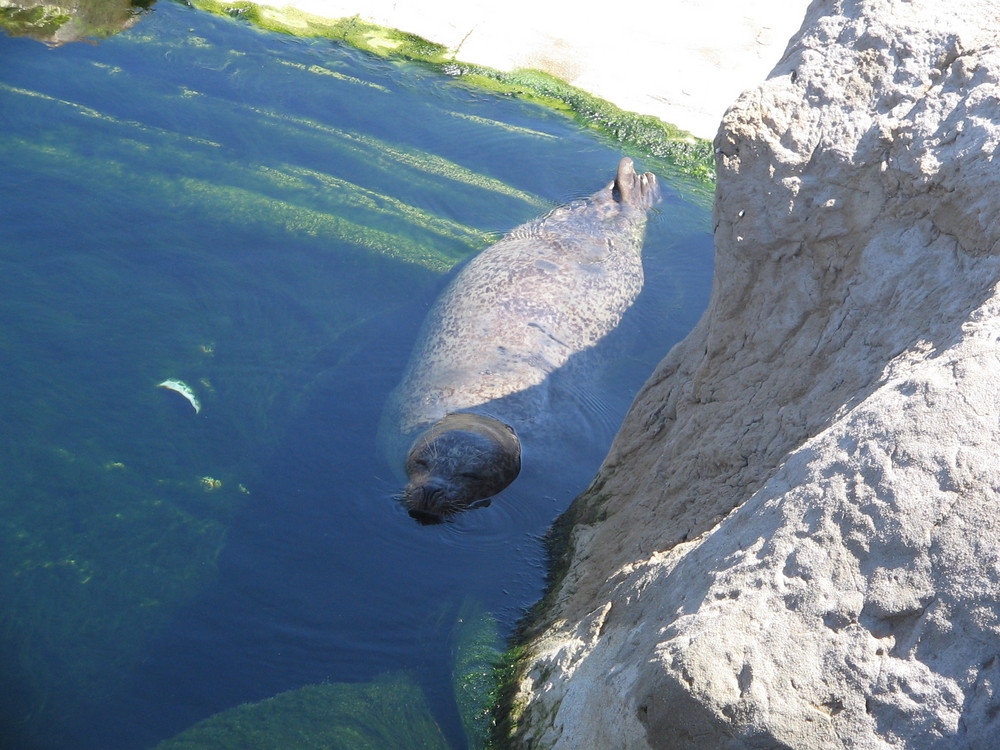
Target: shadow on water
250,214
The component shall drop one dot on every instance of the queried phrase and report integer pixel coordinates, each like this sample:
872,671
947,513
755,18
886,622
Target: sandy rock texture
683,61
795,540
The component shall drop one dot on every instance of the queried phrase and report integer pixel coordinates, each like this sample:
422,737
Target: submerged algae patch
322,71
379,203
477,647
89,112
117,553
248,209
212,182
503,125
389,155
389,713
245,207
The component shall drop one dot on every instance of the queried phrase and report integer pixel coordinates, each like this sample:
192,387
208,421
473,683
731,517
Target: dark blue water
266,219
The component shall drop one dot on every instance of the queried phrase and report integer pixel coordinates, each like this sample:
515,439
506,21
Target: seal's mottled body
517,312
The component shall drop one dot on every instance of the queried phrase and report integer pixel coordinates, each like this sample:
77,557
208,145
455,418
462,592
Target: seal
459,461
512,317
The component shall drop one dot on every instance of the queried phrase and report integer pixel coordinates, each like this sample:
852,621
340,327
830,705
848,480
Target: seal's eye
470,475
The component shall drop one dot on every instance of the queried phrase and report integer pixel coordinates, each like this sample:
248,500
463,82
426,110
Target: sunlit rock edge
794,539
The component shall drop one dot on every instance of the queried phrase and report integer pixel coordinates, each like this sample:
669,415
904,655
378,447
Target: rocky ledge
795,540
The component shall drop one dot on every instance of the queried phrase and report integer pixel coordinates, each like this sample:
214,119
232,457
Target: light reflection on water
188,200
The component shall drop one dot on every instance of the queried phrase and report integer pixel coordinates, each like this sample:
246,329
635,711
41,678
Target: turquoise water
265,219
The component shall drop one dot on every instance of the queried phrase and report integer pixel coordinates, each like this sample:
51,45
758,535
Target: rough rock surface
795,540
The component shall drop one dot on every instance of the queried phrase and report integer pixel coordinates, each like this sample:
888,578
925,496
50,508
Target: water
266,219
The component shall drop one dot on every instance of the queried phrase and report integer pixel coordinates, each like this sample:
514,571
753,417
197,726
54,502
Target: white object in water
184,389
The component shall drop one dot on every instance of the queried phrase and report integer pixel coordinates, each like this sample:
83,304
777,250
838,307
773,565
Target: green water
265,219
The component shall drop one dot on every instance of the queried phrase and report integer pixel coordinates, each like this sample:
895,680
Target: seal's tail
638,190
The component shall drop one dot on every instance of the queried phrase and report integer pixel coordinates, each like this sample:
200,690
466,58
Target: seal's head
458,462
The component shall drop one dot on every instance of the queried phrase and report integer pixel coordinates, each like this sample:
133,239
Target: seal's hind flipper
630,188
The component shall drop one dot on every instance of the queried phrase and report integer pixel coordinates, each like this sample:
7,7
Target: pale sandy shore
684,61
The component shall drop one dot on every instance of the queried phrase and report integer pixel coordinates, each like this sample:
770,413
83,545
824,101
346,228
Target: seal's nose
429,496
425,518
423,502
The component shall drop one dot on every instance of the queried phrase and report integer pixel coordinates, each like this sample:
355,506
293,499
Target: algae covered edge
353,31
513,665
651,136
648,134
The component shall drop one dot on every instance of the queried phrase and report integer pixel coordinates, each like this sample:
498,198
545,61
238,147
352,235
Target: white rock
795,540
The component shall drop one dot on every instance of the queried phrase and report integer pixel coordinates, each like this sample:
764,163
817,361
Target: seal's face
457,463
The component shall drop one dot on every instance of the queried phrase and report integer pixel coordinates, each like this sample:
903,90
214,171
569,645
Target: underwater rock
58,22
478,649
389,713
795,539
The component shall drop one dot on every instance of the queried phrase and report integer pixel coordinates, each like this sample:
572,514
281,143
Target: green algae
242,207
587,509
324,71
477,649
506,710
89,112
389,714
503,125
342,211
120,550
353,31
649,135
387,155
